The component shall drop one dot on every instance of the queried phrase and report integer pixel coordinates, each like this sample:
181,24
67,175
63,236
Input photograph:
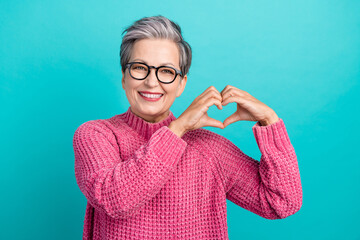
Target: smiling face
154,52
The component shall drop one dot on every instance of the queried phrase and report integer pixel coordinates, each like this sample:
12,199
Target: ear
123,79
181,86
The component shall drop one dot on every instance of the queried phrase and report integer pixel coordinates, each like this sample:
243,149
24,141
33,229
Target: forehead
156,51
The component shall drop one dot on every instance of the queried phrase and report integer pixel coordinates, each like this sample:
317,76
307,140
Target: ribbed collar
143,127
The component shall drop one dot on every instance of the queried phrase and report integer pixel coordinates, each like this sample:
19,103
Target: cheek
130,86
172,92
130,91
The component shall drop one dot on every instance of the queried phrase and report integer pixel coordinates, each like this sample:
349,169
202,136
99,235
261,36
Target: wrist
177,128
268,121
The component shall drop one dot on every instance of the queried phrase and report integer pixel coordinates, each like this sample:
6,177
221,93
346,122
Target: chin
146,110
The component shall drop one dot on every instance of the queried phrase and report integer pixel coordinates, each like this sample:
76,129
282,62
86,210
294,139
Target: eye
139,67
167,71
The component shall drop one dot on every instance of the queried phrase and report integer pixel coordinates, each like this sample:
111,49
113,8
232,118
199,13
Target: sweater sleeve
119,188
270,188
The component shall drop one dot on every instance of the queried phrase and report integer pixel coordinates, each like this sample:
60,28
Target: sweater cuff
273,137
170,147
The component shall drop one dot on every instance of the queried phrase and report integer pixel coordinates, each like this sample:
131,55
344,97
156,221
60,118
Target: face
154,52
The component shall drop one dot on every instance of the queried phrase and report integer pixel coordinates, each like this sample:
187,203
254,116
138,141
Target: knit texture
142,181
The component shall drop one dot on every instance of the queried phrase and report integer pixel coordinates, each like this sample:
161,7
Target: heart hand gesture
195,116
248,108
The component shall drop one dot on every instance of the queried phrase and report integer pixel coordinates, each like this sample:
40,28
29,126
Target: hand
248,107
195,116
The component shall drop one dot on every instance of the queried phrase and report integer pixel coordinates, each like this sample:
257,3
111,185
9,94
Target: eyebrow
162,64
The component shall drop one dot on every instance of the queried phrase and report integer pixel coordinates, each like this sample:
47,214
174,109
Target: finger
203,93
207,92
225,90
213,94
237,99
209,89
211,122
213,101
227,87
231,119
233,91
230,93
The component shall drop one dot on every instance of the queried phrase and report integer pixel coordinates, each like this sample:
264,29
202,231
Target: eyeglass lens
139,71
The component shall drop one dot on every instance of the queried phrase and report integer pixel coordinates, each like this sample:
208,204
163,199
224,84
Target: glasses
140,70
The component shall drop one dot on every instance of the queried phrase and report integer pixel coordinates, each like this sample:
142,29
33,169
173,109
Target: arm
270,188
119,188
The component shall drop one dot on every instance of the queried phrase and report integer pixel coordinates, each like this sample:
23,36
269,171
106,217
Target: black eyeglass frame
178,72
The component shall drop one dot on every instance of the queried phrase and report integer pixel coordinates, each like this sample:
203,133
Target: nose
151,80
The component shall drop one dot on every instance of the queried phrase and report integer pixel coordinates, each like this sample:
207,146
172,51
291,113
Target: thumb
231,119
213,122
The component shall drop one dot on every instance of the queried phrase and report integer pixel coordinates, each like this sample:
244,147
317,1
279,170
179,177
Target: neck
152,119
144,127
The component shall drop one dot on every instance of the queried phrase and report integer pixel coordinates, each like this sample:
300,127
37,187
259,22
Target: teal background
59,67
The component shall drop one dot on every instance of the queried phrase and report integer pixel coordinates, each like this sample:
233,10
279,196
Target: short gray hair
155,27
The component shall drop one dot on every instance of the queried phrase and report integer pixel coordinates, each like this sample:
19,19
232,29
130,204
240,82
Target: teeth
151,95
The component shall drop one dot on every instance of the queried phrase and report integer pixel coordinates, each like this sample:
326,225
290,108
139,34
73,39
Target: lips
150,92
151,99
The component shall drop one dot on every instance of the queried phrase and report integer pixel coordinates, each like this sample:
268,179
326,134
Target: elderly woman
149,175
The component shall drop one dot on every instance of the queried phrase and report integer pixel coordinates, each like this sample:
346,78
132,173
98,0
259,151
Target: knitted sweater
142,181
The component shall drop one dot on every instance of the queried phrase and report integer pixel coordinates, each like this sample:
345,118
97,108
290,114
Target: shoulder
92,125
112,129
99,127
104,125
88,131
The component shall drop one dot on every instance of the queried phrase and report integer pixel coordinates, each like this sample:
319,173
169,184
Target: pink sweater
142,181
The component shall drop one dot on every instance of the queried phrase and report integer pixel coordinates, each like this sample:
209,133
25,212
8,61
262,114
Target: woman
149,175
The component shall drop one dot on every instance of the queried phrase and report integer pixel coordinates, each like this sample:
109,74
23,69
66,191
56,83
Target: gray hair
155,27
